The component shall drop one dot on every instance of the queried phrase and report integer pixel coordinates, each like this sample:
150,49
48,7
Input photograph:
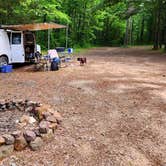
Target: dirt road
114,109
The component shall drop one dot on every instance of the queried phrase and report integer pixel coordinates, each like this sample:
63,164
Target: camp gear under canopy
33,27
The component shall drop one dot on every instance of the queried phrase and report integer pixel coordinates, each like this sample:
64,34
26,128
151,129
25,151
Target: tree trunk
157,25
127,33
142,30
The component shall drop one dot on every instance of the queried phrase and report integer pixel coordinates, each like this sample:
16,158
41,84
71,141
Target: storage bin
6,69
60,49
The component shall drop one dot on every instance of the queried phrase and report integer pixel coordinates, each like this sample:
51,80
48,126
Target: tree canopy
95,22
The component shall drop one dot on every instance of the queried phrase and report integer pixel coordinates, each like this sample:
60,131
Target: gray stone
44,127
16,134
46,114
6,150
36,144
9,139
48,136
13,164
51,119
58,116
37,132
29,135
29,109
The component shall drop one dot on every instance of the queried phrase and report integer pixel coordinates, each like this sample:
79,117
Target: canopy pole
48,39
67,32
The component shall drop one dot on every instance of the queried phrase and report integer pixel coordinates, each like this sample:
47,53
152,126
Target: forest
93,23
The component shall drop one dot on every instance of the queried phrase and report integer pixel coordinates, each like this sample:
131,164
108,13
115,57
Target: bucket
70,50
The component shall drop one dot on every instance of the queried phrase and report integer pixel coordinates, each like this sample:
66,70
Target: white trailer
18,43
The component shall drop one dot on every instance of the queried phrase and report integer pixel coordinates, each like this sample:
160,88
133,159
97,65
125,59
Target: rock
20,143
58,116
32,120
49,135
13,164
6,150
44,127
24,119
37,132
53,126
29,135
9,139
51,119
16,134
2,140
29,103
10,105
40,110
27,119
46,114
21,125
3,107
36,144
28,109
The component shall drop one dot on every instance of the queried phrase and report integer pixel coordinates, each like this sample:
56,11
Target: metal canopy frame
38,27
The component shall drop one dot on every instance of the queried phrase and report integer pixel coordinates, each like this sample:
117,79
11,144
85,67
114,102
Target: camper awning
33,27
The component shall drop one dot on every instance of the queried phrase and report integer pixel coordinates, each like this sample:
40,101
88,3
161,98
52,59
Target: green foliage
100,22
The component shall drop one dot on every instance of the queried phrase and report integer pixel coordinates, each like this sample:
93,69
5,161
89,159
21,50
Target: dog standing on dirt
82,61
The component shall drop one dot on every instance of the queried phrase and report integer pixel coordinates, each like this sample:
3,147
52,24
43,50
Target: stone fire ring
37,124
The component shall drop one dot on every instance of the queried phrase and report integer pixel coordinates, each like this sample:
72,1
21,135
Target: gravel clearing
114,109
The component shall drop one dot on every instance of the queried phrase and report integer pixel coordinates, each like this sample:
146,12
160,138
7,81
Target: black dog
82,61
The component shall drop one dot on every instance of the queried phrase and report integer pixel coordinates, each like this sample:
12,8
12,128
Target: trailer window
16,38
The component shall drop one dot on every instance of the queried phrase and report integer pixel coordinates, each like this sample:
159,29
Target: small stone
58,116
2,140
29,103
29,135
37,132
32,120
49,135
9,139
51,119
53,126
36,144
21,125
40,110
3,107
20,143
46,114
28,109
44,127
16,134
24,119
13,164
27,119
6,150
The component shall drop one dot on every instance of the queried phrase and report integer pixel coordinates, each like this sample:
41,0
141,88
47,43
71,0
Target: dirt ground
114,109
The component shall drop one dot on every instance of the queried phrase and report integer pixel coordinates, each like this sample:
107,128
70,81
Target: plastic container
70,50
68,59
6,69
60,49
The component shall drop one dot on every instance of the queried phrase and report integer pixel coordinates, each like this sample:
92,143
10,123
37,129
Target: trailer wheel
3,60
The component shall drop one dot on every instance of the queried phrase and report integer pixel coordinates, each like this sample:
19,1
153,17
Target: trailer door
17,49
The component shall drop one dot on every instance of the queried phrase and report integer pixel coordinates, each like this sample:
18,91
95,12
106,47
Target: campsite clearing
114,109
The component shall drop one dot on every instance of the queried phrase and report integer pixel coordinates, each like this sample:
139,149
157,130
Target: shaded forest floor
114,109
